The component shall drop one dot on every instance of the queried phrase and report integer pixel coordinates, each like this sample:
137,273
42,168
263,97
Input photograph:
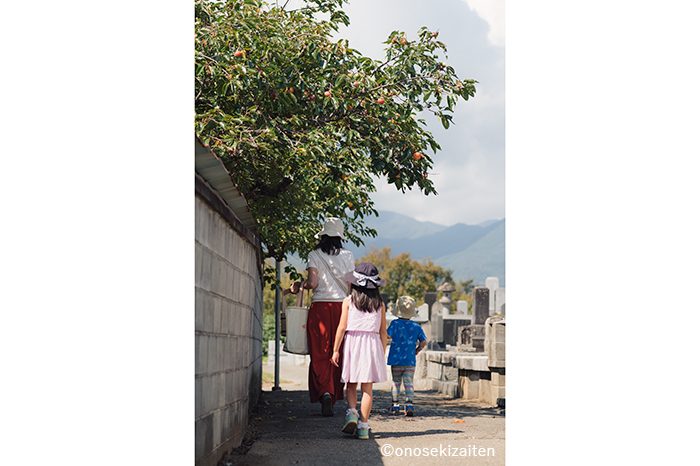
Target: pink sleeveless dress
363,354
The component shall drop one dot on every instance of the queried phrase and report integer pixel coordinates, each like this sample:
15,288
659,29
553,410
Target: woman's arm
311,282
340,333
382,327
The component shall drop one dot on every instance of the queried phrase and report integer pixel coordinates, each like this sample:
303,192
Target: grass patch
269,377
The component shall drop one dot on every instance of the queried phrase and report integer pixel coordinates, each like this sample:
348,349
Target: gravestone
500,301
481,304
462,307
422,315
426,329
492,284
470,338
436,342
474,333
450,327
430,298
463,338
436,326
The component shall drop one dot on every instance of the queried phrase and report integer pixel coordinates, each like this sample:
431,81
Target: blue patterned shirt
404,335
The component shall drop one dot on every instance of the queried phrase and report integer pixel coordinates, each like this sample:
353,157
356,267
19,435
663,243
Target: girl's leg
366,405
396,387
352,395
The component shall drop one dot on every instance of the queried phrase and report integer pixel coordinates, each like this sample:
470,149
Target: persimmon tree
405,275
304,122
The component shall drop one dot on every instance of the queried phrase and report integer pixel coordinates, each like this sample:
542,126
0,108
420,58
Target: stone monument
471,337
429,298
423,313
436,319
492,284
481,304
462,307
500,301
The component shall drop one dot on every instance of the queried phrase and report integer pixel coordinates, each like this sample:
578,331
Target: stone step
446,388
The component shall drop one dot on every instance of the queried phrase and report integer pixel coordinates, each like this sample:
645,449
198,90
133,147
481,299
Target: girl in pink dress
363,329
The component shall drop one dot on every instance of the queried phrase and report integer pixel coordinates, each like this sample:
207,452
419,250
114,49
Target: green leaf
288,152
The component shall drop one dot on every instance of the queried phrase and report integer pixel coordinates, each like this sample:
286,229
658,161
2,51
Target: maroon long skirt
321,325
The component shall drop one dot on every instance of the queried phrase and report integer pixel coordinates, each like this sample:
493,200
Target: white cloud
493,12
469,172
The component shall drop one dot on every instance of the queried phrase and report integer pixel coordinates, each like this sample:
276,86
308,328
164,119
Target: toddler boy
405,334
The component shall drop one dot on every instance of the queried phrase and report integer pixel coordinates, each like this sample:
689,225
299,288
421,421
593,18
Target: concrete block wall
228,334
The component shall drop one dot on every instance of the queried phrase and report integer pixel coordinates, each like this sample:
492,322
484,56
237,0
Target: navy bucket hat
365,275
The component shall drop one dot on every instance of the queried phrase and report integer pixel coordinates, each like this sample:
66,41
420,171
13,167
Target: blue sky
469,172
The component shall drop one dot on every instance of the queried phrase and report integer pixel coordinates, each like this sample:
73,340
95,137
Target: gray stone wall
228,334
473,376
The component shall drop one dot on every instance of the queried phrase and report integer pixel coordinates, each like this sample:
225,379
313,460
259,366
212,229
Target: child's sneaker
362,431
395,409
350,422
409,409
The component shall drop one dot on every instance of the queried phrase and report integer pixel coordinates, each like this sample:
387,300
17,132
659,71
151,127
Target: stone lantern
447,288
436,321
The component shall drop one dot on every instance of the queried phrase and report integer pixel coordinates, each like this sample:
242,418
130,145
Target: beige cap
405,307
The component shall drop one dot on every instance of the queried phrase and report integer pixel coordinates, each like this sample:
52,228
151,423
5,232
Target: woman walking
327,265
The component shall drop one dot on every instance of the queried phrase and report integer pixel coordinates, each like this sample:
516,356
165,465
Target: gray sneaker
350,422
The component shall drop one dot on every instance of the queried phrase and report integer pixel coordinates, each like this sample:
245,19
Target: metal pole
278,305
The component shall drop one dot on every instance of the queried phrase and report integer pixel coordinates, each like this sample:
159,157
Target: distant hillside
483,258
448,241
470,251
393,226
489,222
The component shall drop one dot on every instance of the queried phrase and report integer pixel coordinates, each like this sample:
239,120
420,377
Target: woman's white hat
332,227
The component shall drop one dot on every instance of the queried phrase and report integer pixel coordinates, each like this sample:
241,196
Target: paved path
287,429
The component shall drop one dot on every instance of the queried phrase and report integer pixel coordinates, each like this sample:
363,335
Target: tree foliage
304,122
406,276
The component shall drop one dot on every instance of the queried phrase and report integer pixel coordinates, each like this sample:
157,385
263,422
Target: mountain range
470,251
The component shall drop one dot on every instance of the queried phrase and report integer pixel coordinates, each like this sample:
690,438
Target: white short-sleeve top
328,290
